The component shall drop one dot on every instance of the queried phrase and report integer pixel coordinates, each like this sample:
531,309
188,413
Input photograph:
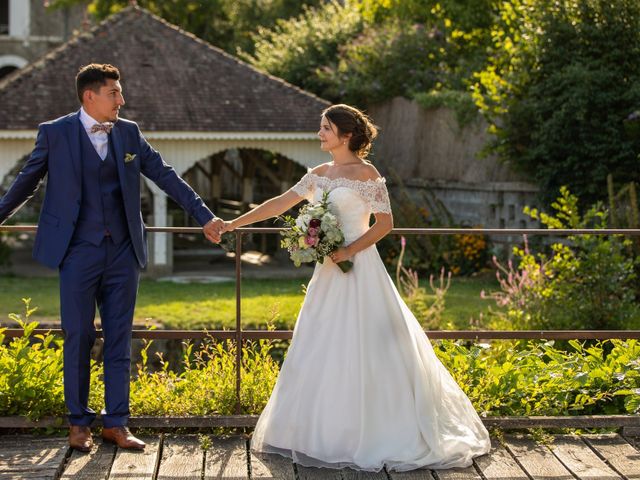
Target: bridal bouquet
314,234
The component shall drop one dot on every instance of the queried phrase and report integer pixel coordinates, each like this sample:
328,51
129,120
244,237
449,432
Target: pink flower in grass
313,232
311,241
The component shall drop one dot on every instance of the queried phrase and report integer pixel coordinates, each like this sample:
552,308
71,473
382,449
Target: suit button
73,223
78,202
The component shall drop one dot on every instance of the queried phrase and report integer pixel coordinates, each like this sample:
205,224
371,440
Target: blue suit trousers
107,276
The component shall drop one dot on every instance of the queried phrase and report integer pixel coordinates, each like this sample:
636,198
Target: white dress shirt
99,140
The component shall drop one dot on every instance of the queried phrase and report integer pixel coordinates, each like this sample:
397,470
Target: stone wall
427,150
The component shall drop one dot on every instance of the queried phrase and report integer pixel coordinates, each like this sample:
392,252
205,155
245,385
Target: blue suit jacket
57,153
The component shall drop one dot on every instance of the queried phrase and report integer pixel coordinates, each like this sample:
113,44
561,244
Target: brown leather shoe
80,438
122,437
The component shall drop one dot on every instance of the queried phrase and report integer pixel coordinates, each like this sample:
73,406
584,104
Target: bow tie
102,127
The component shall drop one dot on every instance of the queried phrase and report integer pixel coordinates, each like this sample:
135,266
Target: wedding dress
361,386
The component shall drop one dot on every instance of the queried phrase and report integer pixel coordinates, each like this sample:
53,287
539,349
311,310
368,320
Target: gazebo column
248,174
160,244
215,185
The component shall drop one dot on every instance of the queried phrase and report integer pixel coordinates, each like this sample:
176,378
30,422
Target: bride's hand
340,255
228,227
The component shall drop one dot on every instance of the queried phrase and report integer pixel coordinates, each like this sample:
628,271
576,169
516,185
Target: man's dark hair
94,76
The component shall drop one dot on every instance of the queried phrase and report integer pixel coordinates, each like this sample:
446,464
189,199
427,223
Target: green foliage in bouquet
314,234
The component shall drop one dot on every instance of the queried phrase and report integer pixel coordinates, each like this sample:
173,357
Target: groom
91,229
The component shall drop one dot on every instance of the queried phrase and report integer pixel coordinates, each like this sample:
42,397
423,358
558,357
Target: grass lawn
213,305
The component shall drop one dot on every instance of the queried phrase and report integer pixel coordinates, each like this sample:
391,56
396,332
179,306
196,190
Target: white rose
303,220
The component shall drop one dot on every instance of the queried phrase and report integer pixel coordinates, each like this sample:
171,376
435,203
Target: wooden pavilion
236,134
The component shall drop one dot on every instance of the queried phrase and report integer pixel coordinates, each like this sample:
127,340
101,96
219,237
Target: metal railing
239,335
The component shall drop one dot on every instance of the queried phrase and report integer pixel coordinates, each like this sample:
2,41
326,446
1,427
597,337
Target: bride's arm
271,208
382,226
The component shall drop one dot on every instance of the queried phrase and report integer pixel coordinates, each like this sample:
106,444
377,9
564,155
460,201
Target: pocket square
129,157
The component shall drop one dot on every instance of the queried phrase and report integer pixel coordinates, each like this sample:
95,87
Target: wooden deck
174,457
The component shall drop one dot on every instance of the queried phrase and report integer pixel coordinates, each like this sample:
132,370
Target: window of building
4,17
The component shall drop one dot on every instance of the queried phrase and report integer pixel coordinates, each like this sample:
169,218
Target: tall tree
562,78
227,24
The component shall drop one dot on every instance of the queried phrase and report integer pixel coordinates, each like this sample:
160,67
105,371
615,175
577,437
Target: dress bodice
352,201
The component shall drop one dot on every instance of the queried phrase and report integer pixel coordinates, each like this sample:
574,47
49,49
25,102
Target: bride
361,386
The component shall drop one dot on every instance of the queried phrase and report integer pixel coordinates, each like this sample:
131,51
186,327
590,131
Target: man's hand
213,230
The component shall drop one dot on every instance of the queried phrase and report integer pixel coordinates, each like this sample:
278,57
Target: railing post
238,320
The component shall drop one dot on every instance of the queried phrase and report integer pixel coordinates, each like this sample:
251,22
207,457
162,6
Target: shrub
561,79
296,49
429,314
30,371
461,102
397,58
588,282
31,378
504,378
535,378
207,384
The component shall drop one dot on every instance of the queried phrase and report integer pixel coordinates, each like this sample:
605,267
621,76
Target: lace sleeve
304,187
379,197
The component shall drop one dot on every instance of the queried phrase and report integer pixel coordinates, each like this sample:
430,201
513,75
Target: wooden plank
421,474
499,464
580,459
616,452
227,458
537,460
468,473
277,467
31,457
631,431
29,476
350,474
312,473
633,441
135,465
563,421
143,422
182,457
94,465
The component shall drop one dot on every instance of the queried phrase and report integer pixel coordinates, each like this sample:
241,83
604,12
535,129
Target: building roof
172,81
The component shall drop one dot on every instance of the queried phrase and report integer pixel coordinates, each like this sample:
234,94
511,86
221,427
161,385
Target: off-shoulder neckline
355,180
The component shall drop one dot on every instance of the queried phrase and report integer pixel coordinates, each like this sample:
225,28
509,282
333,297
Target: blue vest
102,207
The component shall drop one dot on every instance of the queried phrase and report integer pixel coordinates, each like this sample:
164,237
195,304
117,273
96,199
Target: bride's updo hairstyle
351,120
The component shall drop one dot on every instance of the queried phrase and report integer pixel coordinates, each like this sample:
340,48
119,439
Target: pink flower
312,232
403,242
311,241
